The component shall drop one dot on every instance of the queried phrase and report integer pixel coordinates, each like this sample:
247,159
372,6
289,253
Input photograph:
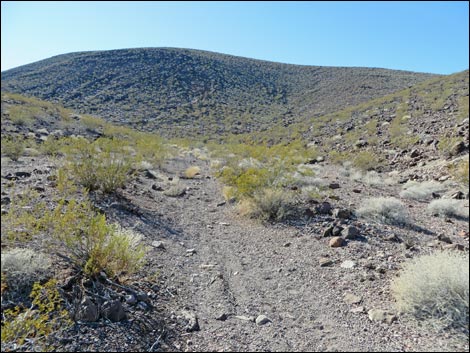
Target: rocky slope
190,92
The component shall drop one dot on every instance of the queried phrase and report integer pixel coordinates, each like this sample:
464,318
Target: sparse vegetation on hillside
191,92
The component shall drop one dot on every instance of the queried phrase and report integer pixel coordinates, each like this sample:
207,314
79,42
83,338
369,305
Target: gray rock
341,213
352,299
87,311
358,310
130,299
113,311
245,318
42,132
158,244
323,208
262,320
221,317
328,232
193,323
151,174
324,262
334,186
337,231
350,232
444,239
348,264
381,316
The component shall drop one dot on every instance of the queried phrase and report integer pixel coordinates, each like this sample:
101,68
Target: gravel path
227,271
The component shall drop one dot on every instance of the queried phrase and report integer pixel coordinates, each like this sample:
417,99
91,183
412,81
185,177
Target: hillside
190,92
167,249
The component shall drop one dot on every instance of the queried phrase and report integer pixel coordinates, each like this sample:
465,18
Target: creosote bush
104,164
435,288
269,205
385,210
90,242
13,148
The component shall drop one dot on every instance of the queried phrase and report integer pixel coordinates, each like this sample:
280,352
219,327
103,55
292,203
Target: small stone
151,174
444,239
358,310
328,232
323,208
191,251
286,245
458,247
337,231
381,316
221,317
334,186
357,191
352,299
87,311
245,318
262,320
113,311
341,213
350,232
130,299
324,262
193,323
221,203
336,242
158,244
23,174
348,264
157,187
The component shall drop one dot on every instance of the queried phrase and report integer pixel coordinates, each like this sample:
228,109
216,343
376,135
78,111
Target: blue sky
417,36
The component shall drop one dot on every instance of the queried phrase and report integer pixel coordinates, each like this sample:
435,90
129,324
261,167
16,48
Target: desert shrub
446,145
22,220
448,208
104,165
460,171
12,148
191,172
385,210
366,160
269,205
175,190
23,114
89,242
435,287
23,267
53,146
29,329
421,191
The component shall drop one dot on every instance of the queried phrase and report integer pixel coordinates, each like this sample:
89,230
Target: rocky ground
217,282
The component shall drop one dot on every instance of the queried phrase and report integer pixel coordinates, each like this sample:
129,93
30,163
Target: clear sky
417,36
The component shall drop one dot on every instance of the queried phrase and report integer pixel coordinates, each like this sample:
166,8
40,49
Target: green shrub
29,329
460,171
12,148
435,287
104,165
385,210
269,205
90,242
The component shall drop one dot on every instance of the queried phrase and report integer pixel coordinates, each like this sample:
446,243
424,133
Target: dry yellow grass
191,172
